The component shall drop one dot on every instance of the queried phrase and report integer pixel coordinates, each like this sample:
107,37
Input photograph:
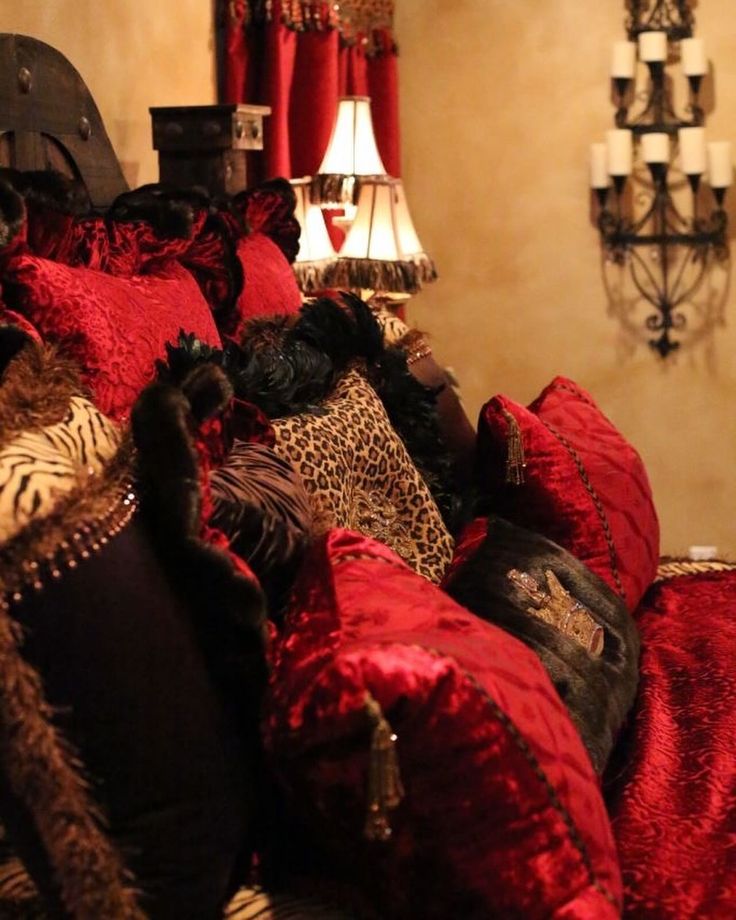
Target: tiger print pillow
359,475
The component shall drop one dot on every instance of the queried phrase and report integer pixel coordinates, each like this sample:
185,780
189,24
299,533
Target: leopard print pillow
359,475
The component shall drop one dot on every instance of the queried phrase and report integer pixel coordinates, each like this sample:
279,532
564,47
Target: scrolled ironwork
671,16
667,255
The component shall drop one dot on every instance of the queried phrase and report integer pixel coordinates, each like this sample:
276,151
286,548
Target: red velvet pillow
584,486
270,283
267,253
115,327
502,815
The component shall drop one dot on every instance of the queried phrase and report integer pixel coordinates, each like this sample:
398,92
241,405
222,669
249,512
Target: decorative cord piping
583,397
677,568
612,555
522,745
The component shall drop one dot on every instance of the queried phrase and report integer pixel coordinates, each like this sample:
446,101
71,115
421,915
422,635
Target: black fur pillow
598,691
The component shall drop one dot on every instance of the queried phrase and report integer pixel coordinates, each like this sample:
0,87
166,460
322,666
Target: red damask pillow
115,327
266,254
582,484
501,814
270,283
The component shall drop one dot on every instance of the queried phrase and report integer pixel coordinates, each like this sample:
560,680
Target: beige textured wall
500,100
132,54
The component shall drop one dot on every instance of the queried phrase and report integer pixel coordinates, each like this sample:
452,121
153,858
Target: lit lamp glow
316,258
351,153
382,251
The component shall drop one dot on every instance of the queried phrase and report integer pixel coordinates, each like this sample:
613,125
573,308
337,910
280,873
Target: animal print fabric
262,506
359,475
38,467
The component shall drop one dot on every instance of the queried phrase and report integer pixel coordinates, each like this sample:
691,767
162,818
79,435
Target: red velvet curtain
300,70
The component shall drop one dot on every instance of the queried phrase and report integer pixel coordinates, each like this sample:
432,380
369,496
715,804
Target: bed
653,837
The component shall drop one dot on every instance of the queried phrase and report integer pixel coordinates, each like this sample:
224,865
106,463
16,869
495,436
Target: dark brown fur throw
37,763
228,609
598,692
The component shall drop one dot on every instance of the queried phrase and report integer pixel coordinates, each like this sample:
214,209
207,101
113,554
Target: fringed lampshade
382,251
351,153
316,258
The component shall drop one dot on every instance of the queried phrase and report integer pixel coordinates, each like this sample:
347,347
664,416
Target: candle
653,46
620,152
623,60
655,147
692,151
720,164
599,177
692,57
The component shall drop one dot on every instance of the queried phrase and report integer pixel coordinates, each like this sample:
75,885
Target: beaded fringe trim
365,22
38,568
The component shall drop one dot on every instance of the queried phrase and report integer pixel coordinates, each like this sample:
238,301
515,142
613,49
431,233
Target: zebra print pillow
19,900
38,467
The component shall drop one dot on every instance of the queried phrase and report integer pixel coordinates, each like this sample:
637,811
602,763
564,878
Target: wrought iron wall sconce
668,253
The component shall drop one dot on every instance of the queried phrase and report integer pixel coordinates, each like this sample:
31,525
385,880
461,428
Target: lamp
316,257
382,251
351,153
667,252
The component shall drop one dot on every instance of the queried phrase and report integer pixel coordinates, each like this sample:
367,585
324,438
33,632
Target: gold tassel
515,460
385,790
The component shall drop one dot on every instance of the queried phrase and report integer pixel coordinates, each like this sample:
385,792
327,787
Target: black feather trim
412,410
12,213
49,190
288,366
169,210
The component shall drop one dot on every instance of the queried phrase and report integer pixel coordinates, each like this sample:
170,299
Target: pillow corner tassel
515,459
385,789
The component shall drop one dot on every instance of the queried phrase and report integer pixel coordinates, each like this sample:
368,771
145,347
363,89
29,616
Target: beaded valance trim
365,22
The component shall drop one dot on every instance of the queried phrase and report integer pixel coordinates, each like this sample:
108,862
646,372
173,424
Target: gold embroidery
373,514
560,609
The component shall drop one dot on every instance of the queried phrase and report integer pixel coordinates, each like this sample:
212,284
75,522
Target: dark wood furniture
49,120
207,145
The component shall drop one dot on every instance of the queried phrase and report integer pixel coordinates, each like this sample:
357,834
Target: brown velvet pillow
261,504
359,475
